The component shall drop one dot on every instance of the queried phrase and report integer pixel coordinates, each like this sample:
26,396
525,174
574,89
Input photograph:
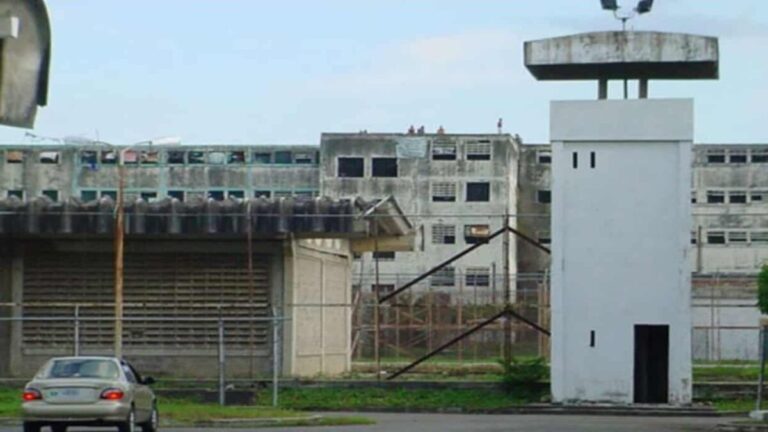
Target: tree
762,290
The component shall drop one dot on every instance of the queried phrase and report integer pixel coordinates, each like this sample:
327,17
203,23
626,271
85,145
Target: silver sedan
89,391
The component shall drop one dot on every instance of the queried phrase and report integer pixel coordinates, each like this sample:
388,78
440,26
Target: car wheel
153,424
58,428
129,425
31,427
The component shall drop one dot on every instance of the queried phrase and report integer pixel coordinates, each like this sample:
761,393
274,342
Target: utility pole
119,258
507,292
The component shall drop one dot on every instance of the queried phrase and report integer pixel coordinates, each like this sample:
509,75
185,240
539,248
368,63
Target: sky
283,72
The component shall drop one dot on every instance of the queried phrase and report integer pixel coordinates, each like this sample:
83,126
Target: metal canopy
623,55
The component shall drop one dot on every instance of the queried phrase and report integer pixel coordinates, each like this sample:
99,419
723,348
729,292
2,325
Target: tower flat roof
623,55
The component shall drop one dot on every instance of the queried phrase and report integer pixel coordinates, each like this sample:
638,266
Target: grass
189,412
725,373
414,399
734,405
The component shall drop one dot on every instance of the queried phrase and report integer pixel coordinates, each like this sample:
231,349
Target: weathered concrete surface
614,55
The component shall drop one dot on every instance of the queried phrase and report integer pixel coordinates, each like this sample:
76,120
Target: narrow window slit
592,159
575,160
592,339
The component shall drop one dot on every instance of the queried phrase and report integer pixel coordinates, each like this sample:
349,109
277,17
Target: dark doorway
651,364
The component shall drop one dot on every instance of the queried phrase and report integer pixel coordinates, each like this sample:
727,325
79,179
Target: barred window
478,150
737,156
716,156
716,237
443,277
444,192
478,277
737,197
737,237
760,156
443,151
759,196
544,156
715,197
759,237
443,234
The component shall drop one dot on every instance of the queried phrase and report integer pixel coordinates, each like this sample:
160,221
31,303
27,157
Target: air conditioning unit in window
476,233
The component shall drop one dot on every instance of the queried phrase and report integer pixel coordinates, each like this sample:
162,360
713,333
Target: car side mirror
148,381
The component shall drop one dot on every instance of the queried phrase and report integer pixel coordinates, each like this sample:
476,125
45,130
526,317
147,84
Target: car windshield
83,368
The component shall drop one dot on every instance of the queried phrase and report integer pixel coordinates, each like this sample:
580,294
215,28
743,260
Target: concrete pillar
642,89
602,89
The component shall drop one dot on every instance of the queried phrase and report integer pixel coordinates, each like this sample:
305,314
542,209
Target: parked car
89,391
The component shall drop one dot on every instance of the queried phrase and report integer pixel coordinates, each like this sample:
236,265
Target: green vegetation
413,399
726,373
522,376
762,290
734,405
10,402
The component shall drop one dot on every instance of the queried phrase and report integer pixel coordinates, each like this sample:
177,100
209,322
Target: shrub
762,290
521,377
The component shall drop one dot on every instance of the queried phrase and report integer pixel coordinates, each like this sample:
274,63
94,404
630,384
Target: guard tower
621,317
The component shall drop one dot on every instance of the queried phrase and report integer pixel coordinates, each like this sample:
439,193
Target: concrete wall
418,173
321,320
620,243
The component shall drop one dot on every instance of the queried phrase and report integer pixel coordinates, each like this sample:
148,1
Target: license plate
62,394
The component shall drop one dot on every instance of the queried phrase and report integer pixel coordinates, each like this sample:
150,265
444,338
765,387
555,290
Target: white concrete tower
621,289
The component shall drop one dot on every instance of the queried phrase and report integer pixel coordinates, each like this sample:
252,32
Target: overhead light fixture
610,4
644,6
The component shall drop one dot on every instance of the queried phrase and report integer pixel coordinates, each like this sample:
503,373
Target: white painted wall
621,234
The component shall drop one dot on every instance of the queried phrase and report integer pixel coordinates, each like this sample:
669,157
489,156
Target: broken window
544,156
216,195
217,158
53,195
444,192
477,192
478,150
737,237
196,157
716,237
175,157
18,193
759,237
150,157
758,196
236,194
544,237
478,277
384,256
544,196
88,157
283,157
109,193
262,193
384,167
446,276
176,194
14,156
737,197
715,197
49,157
443,151
760,156
108,157
443,234
149,196
737,156
716,156
236,157
130,157
302,158
262,158
349,167
476,233
88,195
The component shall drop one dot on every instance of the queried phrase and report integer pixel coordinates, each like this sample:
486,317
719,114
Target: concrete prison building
455,188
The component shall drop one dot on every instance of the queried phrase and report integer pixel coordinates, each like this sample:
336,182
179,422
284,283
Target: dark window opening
592,338
575,160
357,256
384,256
176,194
479,151
477,192
592,161
715,197
216,195
176,157
283,157
109,157
88,195
716,237
693,197
18,193
544,197
262,158
149,196
236,157
444,192
738,157
443,151
350,167
477,277
237,194
262,193
196,157
737,197
446,276
109,193
88,157
476,233
53,195
545,238
384,167
545,157
303,158
443,234
716,157
760,156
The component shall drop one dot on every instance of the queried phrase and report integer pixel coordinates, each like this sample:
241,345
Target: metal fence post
77,331
761,380
275,358
222,384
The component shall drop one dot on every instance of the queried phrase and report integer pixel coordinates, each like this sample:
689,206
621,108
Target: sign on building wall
411,147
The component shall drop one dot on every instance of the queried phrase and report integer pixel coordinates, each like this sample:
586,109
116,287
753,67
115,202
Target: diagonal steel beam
529,240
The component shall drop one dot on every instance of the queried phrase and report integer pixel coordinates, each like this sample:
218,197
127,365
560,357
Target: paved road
496,423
